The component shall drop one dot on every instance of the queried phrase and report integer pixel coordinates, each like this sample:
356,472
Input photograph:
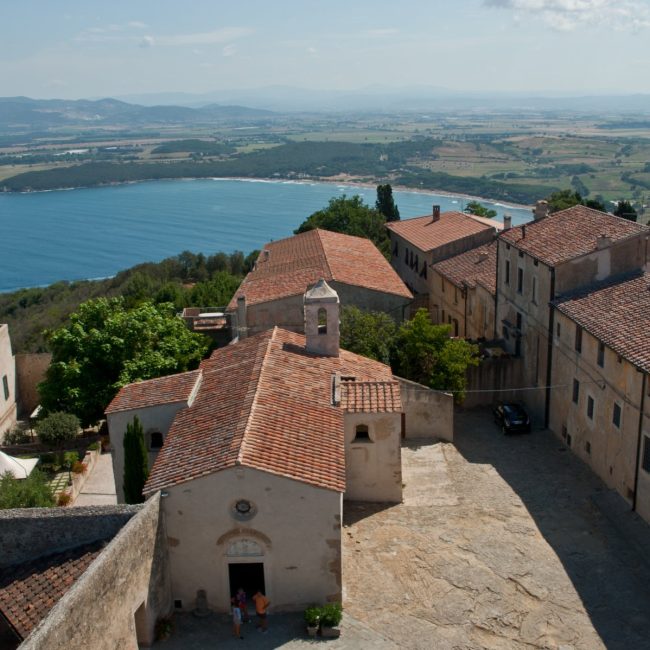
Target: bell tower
321,307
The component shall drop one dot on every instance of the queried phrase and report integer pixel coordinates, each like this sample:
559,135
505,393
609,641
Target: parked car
512,418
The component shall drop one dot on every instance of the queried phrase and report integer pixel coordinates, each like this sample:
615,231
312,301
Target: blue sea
96,232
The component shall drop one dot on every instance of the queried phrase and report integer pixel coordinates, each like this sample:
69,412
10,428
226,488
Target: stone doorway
247,575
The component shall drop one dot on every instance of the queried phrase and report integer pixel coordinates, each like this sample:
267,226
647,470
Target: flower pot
330,632
312,630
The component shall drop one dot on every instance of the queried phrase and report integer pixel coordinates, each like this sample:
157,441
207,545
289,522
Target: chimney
541,210
603,241
507,222
482,256
436,214
523,231
241,317
266,253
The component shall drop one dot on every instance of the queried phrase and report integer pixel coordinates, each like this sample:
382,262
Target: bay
96,232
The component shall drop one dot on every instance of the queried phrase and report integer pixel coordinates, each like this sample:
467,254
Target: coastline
303,181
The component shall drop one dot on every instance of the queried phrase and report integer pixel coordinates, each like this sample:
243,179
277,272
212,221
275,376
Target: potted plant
312,618
331,616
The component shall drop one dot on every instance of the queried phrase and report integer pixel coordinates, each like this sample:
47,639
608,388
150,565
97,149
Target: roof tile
478,265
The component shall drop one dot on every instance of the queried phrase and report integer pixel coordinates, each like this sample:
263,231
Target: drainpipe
638,441
549,355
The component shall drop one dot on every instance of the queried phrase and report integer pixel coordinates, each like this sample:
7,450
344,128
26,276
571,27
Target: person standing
243,605
261,608
236,618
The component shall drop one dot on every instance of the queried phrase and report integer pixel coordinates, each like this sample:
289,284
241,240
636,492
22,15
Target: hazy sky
69,48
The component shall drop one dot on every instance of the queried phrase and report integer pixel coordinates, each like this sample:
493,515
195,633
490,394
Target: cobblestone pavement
498,544
99,488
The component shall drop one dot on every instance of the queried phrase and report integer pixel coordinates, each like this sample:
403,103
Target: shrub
16,436
70,458
313,616
94,446
136,465
332,613
63,499
79,468
31,492
57,429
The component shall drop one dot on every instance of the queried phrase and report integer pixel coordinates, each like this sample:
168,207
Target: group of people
239,609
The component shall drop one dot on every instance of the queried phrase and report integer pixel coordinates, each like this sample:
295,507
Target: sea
89,233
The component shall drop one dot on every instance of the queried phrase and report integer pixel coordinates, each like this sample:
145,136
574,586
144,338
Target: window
616,415
406,255
442,284
520,280
423,272
536,262
456,295
588,447
576,391
396,250
361,433
601,354
322,321
568,439
590,407
557,330
155,440
646,454
534,292
5,386
507,279
578,341
521,254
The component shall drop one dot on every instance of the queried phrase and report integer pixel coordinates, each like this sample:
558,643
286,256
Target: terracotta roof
426,234
371,396
28,591
616,312
264,403
478,265
288,266
153,392
569,233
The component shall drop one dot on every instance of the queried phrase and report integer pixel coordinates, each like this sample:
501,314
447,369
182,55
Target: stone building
259,447
463,289
540,261
418,243
7,383
272,293
600,395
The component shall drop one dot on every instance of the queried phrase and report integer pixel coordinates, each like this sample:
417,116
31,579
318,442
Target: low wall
28,533
494,380
30,371
116,602
428,413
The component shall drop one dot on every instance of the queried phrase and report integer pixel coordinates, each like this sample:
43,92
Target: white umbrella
17,467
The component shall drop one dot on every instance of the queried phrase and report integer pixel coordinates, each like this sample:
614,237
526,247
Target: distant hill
20,114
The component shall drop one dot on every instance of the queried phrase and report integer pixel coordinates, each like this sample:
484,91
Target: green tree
425,353
136,467
31,492
352,217
369,333
562,200
216,292
58,428
626,210
597,203
385,204
106,346
479,210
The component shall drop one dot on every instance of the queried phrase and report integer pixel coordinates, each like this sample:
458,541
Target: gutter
638,440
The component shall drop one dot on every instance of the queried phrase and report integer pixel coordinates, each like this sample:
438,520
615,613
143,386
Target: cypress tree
136,467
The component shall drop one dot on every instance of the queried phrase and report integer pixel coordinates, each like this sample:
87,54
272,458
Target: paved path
99,488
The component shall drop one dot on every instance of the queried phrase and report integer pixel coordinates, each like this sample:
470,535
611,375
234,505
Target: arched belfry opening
322,308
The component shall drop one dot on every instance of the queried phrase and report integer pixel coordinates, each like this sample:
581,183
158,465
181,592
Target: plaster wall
414,278
643,486
7,383
447,303
155,418
373,467
368,300
610,450
296,527
98,611
495,380
427,413
30,371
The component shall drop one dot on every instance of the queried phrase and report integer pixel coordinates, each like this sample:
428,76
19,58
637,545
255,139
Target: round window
243,509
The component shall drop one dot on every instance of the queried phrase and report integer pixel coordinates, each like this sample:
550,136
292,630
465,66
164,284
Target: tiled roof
569,233
153,392
371,396
28,591
617,313
288,266
478,265
426,234
264,403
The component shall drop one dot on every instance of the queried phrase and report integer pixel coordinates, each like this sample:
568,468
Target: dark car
512,418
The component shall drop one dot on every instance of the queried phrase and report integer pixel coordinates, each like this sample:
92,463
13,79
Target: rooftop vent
507,222
435,215
541,210
482,256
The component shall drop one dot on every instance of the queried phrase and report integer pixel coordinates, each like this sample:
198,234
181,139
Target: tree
58,428
425,353
352,217
136,467
385,203
31,492
106,346
371,334
596,203
626,210
479,210
562,200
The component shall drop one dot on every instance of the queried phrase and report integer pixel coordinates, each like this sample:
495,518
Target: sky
85,49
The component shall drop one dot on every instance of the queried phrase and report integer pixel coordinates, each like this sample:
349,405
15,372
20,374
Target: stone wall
486,383
428,413
129,580
28,533
30,371
7,383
